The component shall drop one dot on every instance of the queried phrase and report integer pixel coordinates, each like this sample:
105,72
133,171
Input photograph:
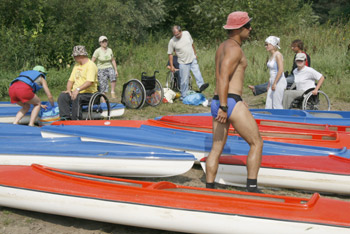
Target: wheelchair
92,109
173,81
136,93
306,100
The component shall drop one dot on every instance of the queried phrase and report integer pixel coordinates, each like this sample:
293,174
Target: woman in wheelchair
305,78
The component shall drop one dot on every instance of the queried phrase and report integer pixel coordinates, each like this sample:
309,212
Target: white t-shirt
183,48
305,78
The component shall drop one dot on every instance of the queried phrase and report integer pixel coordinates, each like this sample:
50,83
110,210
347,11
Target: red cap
237,19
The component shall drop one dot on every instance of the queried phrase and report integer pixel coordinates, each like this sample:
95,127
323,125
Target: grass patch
327,46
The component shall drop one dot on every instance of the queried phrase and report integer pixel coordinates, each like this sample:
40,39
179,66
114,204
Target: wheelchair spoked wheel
316,102
95,103
134,95
171,82
169,78
155,96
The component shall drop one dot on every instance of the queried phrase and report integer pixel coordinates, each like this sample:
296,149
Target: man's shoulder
91,64
230,46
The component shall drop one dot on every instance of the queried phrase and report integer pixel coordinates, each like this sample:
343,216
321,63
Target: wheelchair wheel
95,103
316,102
134,94
171,82
155,96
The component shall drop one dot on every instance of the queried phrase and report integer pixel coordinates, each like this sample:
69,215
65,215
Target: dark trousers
71,109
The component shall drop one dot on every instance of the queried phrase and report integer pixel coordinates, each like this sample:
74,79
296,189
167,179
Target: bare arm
86,85
318,86
47,91
93,59
115,66
171,62
69,86
279,61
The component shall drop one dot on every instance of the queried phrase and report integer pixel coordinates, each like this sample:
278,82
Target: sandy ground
13,221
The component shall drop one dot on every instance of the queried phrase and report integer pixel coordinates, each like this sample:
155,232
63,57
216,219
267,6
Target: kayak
320,138
9,111
264,115
23,145
207,121
312,173
94,157
302,117
304,113
167,206
197,143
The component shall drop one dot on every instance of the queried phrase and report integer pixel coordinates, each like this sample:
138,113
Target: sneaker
203,87
113,95
255,190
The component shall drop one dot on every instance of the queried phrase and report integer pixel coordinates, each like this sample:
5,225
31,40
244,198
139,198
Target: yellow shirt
83,73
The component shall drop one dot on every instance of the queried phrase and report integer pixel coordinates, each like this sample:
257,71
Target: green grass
327,46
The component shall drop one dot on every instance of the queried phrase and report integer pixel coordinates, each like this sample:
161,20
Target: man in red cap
227,106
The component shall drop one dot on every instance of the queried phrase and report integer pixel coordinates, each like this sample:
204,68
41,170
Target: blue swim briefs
232,100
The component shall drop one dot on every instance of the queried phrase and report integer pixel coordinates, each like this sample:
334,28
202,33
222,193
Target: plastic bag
49,115
169,95
194,99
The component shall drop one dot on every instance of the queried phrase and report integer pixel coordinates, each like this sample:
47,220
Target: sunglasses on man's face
247,25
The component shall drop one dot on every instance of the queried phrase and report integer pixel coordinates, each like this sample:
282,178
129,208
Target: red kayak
312,173
207,121
167,206
319,138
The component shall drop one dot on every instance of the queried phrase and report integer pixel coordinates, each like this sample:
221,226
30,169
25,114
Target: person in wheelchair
297,46
82,84
304,79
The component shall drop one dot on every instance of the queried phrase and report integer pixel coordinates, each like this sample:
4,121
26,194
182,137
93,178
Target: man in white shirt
305,77
182,44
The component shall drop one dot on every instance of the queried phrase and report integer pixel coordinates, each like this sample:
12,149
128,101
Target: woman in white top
277,82
107,67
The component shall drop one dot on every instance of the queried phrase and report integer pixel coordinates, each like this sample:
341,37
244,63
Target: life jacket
29,77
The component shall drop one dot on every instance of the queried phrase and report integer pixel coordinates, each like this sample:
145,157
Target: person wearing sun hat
277,82
227,107
107,66
81,85
23,92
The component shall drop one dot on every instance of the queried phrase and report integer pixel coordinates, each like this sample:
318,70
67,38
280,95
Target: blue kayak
92,157
300,116
304,113
196,143
18,130
8,111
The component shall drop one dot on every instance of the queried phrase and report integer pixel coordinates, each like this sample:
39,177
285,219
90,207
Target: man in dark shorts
227,106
